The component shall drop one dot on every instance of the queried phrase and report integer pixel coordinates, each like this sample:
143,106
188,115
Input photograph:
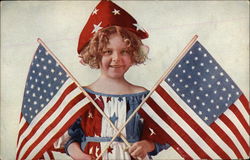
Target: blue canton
44,79
200,81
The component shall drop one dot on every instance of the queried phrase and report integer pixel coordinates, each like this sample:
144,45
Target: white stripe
237,124
68,98
58,127
242,110
46,156
170,131
198,120
22,122
44,111
231,135
188,130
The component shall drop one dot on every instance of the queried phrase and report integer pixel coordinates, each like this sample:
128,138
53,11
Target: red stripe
62,130
245,103
51,156
41,158
24,127
223,135
165,137
191,123
236,132
240,117
164,116
69,89
20,118
53,124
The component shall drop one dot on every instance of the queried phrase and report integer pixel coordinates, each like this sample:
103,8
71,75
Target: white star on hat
115,12
97,27
138,27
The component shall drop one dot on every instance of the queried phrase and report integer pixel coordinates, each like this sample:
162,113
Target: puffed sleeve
76,133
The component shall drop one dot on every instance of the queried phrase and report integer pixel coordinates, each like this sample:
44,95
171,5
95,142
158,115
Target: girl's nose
116,56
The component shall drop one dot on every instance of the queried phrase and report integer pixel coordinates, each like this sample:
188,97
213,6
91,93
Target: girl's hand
76,153
140,149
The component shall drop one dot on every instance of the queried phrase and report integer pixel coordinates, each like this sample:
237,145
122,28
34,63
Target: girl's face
116,59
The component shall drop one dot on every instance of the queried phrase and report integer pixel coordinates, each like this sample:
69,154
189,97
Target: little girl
113,49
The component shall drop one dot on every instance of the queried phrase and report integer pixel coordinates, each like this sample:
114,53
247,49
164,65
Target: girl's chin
115,75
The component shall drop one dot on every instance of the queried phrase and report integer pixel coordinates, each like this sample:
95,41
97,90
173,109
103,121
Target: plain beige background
222,26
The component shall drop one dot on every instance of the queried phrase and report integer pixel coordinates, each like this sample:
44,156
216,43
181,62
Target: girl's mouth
115,66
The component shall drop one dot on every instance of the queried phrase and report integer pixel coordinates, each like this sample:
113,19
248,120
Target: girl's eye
124,52
107,52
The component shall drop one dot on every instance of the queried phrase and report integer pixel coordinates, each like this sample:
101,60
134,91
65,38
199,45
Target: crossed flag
195,107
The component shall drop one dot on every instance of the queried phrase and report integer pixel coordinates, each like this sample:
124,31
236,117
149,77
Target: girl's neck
112,85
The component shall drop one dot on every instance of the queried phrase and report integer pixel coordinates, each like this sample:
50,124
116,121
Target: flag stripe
232,137
192,123
67,121
243,110
234,129
20,118
22,122
51,156
237,123
50,126
163,112
224,136
245,103
43,117
42,157
46,156
22,130
188,151
240,117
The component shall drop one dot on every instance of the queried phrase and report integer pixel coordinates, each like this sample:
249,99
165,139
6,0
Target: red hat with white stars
106,14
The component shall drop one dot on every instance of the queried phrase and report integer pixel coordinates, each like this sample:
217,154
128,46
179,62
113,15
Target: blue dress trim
117,95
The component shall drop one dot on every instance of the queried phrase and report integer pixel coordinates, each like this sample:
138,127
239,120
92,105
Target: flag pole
182,54
85,93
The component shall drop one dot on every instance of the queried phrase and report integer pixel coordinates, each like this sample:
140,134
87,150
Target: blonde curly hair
91,54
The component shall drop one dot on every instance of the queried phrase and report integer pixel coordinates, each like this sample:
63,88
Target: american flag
199,110
51,103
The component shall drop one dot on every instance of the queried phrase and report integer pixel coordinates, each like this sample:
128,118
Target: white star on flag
91,150
115,12
90,115
97,27
95,11
96,151
152,132
97,97
138,27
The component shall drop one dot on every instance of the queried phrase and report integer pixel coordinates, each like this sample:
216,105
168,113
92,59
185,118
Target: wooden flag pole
85,93
182,54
